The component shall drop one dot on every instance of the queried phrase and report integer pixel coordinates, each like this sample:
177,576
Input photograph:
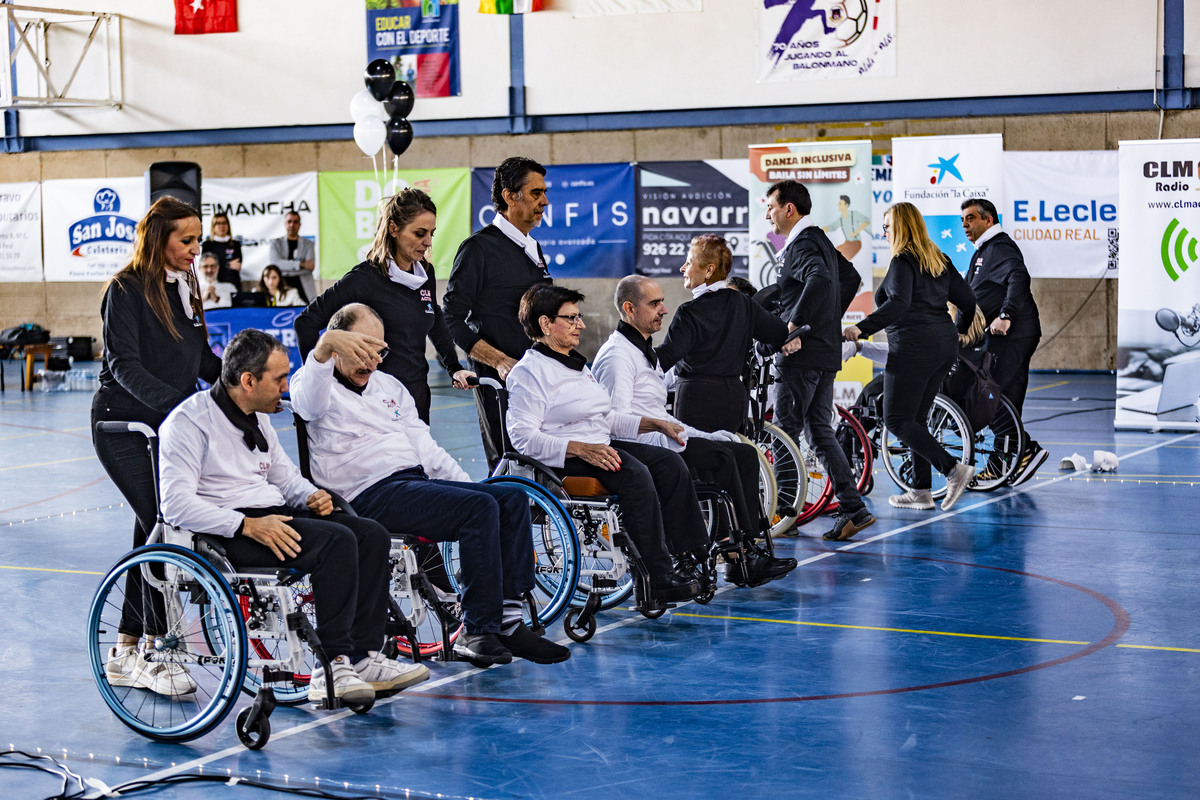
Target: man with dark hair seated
223,473
367,442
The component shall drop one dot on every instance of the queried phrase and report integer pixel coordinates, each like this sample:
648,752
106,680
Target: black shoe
524,643
689,566
764,568
675,587
482,649
846,525
1033,457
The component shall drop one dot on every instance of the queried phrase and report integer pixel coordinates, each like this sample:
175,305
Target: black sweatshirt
911,304
816,286
711,335
1000,281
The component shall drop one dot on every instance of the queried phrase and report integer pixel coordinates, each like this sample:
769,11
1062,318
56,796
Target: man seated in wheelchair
224,474
559,415
368,443
627,367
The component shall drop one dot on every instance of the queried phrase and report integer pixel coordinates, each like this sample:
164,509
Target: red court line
55,497
46,430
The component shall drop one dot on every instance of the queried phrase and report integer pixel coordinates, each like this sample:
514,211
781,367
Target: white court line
424,687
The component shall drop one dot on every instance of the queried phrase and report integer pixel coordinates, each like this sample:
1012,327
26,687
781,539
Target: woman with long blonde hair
922,347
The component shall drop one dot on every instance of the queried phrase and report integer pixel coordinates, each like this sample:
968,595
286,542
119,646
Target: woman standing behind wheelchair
155,347
559,414
922,347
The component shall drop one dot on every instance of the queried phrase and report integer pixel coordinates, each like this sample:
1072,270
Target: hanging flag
509,6
205,16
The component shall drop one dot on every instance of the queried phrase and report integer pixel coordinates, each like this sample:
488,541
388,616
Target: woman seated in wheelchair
559,415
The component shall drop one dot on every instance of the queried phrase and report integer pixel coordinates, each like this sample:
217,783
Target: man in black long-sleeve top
816,286
1001,284
493,268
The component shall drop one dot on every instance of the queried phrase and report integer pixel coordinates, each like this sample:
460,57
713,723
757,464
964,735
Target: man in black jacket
1000,281
493,268
816,286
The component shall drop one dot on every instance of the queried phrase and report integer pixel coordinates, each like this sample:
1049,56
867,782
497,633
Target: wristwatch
1004,315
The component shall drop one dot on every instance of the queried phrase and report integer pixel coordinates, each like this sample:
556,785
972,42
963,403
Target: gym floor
1036,642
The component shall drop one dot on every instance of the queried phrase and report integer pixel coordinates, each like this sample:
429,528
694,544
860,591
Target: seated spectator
275,291
561,416
227,249
368,443
223,473
214,292
628,368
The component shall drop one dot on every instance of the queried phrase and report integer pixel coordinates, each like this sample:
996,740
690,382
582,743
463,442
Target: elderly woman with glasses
559,414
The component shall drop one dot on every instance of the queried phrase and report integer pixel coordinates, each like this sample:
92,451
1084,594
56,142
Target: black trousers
346,559
909,386
658,502
1011,356
712,404
734,467
491,431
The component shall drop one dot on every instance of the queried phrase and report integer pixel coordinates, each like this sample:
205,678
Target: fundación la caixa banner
838,178
256,208
823,39
1158,296
89,226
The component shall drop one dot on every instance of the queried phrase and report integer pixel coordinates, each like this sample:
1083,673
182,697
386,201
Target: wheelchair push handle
765,349
489,382
126,427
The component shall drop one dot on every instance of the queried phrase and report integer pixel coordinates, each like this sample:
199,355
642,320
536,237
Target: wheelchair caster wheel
255,738
361,708
576,631
706,598
653,612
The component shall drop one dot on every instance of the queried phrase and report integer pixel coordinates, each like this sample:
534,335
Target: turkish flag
205,16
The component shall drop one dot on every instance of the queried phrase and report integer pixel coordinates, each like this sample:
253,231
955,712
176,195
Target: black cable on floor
1067,413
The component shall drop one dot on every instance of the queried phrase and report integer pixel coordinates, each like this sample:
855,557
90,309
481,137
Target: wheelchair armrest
534,464
342,503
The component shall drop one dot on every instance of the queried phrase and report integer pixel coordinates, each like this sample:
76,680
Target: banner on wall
679,200
881,200
350,212
838,178
1061,210
823,39
89,225
421,42
20,232
588,229
256,208
1158,296
225,323
936,173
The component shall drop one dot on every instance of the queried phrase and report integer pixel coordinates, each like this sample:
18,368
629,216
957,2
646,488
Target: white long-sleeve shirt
551,404
206,470
355,440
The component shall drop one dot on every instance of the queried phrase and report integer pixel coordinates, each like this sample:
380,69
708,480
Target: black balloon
399,101
380,77
399,135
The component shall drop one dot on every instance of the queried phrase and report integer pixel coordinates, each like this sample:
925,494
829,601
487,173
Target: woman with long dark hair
155,347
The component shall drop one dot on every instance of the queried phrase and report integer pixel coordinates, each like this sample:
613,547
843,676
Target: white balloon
369,135
363,105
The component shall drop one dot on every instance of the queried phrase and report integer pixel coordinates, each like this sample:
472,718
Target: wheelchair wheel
196,598
949,427
593,560
859,454
432,607
998,449
791,474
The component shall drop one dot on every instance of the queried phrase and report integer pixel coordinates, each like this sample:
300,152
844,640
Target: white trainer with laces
956,484
162,677
347,685
388,675
920,499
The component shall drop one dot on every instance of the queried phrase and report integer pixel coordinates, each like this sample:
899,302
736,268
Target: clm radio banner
256,208
679,200
588,229
937,173
821,39
421,42
89,226
1158,296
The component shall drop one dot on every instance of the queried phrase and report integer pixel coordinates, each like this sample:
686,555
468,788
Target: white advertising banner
823,39
936,173
1158,296
20,232
1061,210
256,208
881,201
89,226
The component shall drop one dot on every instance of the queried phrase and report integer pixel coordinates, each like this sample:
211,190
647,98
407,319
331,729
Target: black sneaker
1035,455
482,649
524,643
764,568
675,587
846,525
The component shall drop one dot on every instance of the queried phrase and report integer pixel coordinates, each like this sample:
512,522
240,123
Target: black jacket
1000,281
711,335
816,286
911,305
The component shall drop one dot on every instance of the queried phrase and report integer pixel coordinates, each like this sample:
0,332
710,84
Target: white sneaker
920,499
120,665
162,677
388,675
956,484
347,686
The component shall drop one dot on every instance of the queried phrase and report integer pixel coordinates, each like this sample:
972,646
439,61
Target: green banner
349,209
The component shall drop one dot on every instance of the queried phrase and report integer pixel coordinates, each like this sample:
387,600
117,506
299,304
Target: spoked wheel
791,473
859,452
998,449
433,606
949,427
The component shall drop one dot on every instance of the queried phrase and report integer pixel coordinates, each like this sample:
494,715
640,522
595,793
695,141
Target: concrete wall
1089,342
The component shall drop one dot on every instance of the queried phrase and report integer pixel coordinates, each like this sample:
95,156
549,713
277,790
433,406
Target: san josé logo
1178,249
106,233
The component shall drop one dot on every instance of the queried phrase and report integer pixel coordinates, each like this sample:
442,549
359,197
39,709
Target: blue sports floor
1039,642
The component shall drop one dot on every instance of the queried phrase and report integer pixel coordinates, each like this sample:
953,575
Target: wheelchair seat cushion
584,487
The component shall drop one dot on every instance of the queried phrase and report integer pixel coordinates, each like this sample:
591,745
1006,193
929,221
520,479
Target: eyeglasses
383,353
886,228
572,319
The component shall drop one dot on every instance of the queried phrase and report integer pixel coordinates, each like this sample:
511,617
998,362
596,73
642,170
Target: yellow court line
1047,386
47,569
1152,647
50,463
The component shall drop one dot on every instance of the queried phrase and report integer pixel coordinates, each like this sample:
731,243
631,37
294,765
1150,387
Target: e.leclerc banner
256,208
936,173
350,210
588,229
20,232
1061,210
89,226
679,200
1158,296
838,178
421,42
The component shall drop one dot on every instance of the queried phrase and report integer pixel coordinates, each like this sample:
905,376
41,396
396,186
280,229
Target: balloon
379,77
363,105
369,135
399,101
399,135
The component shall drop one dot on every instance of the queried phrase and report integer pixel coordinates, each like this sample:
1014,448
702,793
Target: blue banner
588,229
225,323
421,42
